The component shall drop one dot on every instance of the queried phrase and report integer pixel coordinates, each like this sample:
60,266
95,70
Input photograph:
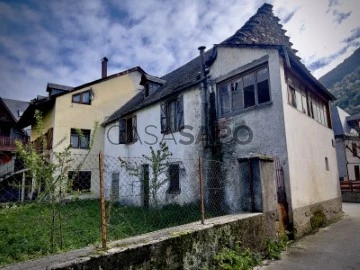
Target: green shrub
237,258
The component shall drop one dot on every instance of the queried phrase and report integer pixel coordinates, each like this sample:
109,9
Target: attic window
82,98
150,88
20,113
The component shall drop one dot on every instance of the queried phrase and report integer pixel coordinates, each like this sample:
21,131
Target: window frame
85,132
228,82
128,130
81,97
312,104
165,115
174,183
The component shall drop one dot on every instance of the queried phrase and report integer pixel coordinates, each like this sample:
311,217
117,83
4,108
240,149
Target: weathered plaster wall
266,121
185,151
190,246
308,144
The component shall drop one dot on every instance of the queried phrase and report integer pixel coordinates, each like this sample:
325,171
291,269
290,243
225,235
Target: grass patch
25,229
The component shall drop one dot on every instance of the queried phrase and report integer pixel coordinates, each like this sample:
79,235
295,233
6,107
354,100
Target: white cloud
64,41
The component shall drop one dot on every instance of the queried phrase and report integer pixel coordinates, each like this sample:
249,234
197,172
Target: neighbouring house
10,113
347,142
260,105
68,110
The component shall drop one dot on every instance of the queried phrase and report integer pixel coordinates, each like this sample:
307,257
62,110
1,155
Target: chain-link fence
72,201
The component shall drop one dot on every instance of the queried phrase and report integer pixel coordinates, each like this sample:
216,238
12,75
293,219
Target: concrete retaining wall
350,196
190,246
307,218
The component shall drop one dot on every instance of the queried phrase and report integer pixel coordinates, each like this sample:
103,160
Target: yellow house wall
48,120
108,97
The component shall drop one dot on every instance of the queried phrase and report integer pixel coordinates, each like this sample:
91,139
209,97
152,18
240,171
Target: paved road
335,247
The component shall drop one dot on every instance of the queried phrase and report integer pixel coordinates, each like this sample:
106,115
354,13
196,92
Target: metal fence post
102,201
202,210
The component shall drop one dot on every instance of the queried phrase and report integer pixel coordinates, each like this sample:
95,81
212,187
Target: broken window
172,115
263,88
128,131
248,90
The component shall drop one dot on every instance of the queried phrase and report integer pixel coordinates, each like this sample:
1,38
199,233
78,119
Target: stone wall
190,246
350,196
309,218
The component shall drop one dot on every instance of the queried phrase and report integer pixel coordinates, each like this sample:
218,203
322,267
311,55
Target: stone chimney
104,67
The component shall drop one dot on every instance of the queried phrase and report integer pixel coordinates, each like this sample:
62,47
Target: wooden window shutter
180,112
163,121
134,126
122,131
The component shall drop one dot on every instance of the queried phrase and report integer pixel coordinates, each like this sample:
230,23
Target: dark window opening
326,163
174,178
245,91
128,130
354,149
357,172
172,115
80,138
249,90
80,181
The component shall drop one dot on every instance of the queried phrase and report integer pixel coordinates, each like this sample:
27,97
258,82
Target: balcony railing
8,144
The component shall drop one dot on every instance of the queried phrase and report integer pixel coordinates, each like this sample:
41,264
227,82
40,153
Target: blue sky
63,41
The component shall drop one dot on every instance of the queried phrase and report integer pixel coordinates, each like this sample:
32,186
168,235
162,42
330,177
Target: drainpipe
204,104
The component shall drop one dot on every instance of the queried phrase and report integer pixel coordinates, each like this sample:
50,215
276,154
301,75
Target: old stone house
260,105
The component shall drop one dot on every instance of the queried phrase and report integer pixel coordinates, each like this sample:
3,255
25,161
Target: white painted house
258,100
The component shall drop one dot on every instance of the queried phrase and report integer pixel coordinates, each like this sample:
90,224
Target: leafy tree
49,169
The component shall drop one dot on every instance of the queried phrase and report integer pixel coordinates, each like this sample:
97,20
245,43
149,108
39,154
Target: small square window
80,138
80,181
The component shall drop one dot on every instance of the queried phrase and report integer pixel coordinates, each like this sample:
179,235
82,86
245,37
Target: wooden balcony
8,144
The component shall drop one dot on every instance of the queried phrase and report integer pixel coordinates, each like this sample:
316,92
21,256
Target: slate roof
175,81
14,106
58,86
261,30
336,121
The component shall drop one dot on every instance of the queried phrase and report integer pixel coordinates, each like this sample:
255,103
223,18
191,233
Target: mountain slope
344,83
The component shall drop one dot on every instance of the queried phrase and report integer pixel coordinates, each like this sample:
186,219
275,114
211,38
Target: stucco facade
64,115
183,147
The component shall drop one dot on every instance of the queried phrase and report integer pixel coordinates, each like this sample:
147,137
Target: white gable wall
148,121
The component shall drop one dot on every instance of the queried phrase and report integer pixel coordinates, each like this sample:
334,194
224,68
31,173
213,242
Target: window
172,115
80,138
174,178
80,181
354,149
83,98
244,91
357,172
326,163
128,131
307,101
